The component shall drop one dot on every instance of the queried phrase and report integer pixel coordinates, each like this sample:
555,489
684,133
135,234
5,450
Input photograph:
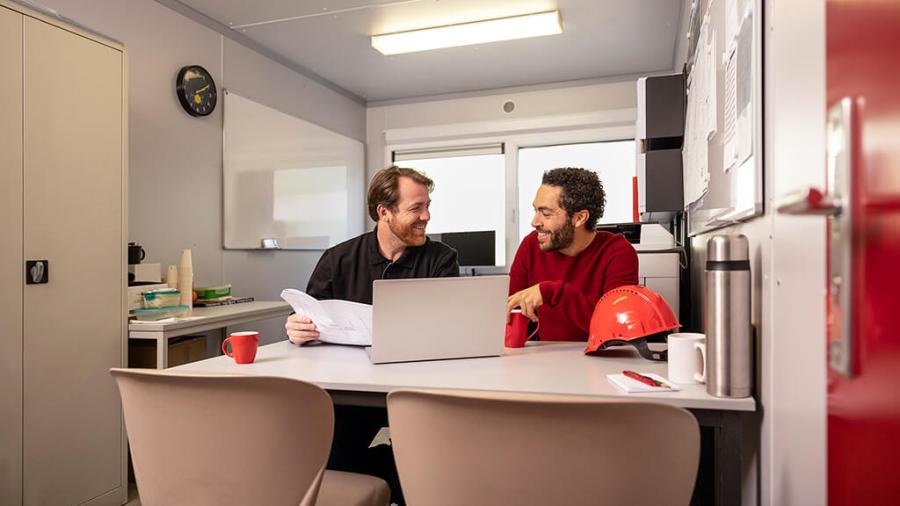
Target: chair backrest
477,448
225,440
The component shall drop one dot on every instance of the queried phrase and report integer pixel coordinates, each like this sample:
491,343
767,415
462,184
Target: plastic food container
149,315
161,297
213,292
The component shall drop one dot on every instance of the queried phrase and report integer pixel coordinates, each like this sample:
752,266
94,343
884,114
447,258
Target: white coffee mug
686,365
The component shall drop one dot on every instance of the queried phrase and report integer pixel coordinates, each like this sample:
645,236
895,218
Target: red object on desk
643,379
517,330
243,346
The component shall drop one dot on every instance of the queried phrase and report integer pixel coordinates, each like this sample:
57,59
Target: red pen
643,379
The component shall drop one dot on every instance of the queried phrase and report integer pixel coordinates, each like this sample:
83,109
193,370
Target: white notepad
633,386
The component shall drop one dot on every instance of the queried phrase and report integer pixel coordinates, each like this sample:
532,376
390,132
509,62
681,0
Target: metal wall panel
73,158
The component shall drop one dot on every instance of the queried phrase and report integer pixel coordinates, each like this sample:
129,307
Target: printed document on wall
701,121
738,132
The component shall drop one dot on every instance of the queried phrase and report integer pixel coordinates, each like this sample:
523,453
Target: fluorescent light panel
466,34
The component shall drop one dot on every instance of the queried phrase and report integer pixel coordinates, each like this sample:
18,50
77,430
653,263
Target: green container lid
213,292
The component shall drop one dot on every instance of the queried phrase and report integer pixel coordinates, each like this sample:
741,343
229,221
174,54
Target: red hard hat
628,315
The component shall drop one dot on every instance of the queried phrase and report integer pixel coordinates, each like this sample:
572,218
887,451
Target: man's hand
528,300
300,329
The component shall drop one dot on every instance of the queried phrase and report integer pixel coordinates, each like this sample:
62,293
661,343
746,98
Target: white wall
175,160
788,266
483,115
794,384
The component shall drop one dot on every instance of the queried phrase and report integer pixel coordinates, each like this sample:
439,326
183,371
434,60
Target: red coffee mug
517,331
243,346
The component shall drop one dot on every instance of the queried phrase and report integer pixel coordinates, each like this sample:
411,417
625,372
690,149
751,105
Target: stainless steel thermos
726,316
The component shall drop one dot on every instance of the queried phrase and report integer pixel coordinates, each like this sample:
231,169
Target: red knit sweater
571,286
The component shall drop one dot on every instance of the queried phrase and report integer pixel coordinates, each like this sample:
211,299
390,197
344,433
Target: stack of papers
633,386
338,321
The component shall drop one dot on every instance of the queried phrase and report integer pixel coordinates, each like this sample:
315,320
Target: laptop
438,318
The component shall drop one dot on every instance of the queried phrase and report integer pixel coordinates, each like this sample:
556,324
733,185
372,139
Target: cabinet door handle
37,272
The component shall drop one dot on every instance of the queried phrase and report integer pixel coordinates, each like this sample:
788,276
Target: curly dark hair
581,189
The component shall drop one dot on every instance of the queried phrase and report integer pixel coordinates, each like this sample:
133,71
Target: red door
863,71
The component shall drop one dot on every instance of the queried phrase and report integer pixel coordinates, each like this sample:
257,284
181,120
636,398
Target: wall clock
196,90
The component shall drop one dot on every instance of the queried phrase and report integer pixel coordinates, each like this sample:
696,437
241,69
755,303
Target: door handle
808,202
836,206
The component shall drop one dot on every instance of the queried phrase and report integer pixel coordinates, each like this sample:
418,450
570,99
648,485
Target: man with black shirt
398,201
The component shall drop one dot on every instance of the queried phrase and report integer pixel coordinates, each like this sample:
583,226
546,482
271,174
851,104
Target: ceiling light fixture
465,34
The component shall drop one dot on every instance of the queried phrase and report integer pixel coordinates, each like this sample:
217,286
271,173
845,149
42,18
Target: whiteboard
287,179
723,159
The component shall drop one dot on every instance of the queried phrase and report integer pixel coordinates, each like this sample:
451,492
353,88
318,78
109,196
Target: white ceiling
600,39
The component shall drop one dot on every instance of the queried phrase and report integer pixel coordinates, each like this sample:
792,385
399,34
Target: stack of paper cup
172,277
186,278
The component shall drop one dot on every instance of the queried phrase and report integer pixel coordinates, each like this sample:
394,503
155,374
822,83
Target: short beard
406,234
561,238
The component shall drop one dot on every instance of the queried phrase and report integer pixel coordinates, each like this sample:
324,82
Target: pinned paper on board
701,121
723,179
738,131
744,90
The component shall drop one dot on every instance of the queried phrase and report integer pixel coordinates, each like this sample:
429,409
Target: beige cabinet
11,260
62,200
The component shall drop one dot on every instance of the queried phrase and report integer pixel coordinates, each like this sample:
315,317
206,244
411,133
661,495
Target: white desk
204,319
544,368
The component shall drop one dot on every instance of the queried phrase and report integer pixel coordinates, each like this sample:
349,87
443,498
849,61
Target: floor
133,499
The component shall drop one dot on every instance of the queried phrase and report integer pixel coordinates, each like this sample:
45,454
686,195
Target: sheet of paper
738,83
351,323
711,107
338,321
744,91
730,131
633,386
701,121
383,437
306,305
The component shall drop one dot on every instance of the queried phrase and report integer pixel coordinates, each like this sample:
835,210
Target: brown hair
385,184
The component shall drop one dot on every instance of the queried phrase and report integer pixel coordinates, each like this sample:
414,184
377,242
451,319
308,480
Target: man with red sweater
564,266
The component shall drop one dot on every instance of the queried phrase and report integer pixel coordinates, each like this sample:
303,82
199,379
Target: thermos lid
727,248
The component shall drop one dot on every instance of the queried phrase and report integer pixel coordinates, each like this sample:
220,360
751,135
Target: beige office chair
457,448
235,440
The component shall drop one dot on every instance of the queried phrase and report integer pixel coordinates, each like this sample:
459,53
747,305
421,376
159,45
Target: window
468,194
614,163
471,183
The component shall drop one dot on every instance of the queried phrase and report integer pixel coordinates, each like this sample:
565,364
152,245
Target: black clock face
196,90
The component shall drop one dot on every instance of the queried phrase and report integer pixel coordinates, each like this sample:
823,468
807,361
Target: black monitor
475,249
631,231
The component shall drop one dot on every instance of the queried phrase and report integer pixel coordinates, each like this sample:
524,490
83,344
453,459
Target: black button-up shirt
346,271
